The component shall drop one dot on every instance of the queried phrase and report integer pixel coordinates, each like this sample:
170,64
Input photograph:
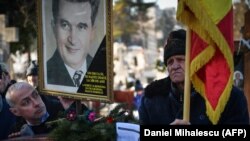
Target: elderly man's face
73,31
176,68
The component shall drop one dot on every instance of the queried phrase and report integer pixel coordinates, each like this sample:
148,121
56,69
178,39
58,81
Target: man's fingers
180,122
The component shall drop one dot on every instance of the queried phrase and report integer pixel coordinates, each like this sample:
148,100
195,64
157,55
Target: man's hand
180,122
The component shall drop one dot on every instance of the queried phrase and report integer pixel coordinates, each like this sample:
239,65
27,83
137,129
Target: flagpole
186,105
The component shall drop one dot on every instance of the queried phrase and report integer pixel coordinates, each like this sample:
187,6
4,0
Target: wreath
88,127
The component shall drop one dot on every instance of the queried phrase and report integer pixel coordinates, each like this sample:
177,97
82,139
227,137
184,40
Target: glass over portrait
75,48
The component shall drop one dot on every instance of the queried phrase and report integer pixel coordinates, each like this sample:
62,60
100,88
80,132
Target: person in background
6,76
32,74
32,79
25,102
73,26
51,102
162,102
7,119
138,93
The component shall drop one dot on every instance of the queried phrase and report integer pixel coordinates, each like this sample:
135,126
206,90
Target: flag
211,53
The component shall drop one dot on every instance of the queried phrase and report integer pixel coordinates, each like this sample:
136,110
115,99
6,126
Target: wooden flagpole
186,105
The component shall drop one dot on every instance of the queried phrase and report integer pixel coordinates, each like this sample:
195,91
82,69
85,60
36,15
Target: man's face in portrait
73,31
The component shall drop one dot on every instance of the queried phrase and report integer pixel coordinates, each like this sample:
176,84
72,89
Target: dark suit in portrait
57,73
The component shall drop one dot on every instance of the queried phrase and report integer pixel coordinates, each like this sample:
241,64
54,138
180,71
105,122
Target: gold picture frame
60,50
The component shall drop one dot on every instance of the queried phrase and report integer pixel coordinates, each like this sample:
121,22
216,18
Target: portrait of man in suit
73,28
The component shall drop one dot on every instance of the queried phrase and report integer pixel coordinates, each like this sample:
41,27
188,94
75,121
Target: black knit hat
138,85
32,69
176,44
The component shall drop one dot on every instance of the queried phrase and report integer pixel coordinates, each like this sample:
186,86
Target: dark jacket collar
163,87
158,87
177,93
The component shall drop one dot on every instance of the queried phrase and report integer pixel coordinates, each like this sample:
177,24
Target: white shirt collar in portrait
69,88
72,71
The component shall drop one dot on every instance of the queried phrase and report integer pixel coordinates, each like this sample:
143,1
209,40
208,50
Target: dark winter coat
7,119
161,104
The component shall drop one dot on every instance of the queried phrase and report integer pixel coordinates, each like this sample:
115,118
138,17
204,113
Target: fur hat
176,44
32,69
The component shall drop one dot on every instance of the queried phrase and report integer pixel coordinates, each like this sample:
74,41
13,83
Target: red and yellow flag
211,53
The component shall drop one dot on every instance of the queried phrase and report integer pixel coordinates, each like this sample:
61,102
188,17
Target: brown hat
175,44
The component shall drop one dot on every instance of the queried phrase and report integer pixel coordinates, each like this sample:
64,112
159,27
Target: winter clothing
137,100
175,44
162,104
7,119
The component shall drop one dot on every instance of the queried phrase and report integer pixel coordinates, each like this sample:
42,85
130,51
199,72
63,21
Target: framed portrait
75,49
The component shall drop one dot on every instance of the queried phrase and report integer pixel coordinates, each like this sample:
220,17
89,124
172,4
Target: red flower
71,115
110,120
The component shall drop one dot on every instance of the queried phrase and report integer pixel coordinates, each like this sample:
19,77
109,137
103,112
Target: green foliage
126,17
121,15
81,129
166,24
